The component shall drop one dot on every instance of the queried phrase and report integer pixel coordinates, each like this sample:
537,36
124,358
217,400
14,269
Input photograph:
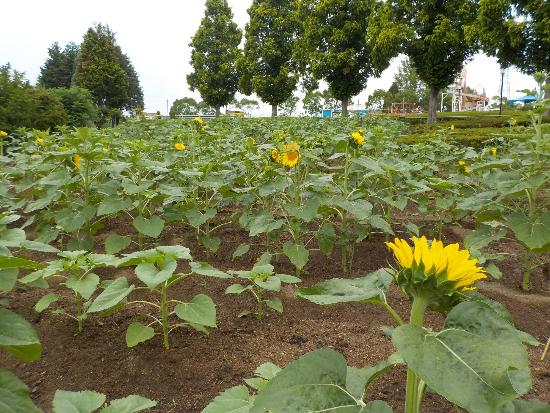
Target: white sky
155,35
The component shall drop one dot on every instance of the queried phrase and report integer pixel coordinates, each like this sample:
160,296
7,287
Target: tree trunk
345,103
218,111
547,96
273,111
432,107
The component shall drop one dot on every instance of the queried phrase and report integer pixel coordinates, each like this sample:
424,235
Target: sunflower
275,155
179,146
3,134
358,137
494,151
435,271
462,162
40,141
199,120
77,161
291,155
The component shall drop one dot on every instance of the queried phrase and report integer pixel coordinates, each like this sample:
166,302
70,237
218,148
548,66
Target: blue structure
330,113
523,99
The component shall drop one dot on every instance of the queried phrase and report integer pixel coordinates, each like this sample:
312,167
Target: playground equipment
399,108
462,98
331,113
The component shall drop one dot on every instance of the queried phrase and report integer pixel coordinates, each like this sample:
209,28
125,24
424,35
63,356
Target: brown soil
187,377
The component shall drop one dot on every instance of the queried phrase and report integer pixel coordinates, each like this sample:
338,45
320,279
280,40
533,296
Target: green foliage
79,105
189,106
58,70
214,56
339,44
100,70
22,105
135,93
266,65
315,101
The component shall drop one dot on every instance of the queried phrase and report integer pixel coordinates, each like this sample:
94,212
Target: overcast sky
155,35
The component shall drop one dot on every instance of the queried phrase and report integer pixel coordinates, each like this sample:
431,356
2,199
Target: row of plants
294,186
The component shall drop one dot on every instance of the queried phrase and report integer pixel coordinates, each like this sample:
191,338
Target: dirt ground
187,377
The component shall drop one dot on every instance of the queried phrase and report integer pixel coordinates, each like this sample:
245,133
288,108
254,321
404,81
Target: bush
79,105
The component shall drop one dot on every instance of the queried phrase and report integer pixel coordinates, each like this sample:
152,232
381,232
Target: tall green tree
99,69
266,66
344,42
214,56
59,67
436,40
516,32
135,92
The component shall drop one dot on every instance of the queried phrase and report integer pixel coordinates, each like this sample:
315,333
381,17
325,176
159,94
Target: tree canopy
215,50
59,67
344,42
266,65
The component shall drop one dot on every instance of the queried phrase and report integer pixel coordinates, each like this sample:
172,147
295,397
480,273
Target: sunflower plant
477,361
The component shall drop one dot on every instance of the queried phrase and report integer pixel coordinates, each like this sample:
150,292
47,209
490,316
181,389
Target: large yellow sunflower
291,155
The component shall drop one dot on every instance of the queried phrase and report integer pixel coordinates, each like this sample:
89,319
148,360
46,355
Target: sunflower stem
413,390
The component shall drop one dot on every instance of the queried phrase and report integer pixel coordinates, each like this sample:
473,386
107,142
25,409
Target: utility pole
502,70
167,111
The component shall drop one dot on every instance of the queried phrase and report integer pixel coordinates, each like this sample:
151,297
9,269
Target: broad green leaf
115,243
12,237
289,279
8,219
203,268
241,250
152,276
18,337
476,372
15,262
211,243
112,206
85,286
201,310
269,283
326,237
236,289
263,223
377,406
378,222
45,302
275,304
267,371
38,246
15,395
72,220
482,237
297,253
129,404
115,292
534,235
77,402
413,228
196,218
233,400
372,287
138,333
151,227
358,380
315,382
525,406
8,278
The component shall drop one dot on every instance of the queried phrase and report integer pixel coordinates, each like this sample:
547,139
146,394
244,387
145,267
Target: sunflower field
239,265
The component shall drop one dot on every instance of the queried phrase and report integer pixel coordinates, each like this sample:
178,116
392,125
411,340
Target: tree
344,42
315,101
184,106
134,91
266,64
436,41
22,105
79,105
59,67
214,56
246,104
289,106
99,70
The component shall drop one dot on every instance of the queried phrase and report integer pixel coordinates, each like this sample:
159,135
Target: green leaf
534,235
12,237
473,363
15,262
203,268
377,221
525,406
326,237
151,227
85,286
45,302
77,402
372,287
211,243
314,382
115,243
233,400
18,337
267,371
129,404
152,276
297,253
270,283
275,304
38,246
263,223
241,250
412,228
196,218
482,237
138,333
201,310
71,220
8,278
14,395
236,289
115,292
112,206
358,380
